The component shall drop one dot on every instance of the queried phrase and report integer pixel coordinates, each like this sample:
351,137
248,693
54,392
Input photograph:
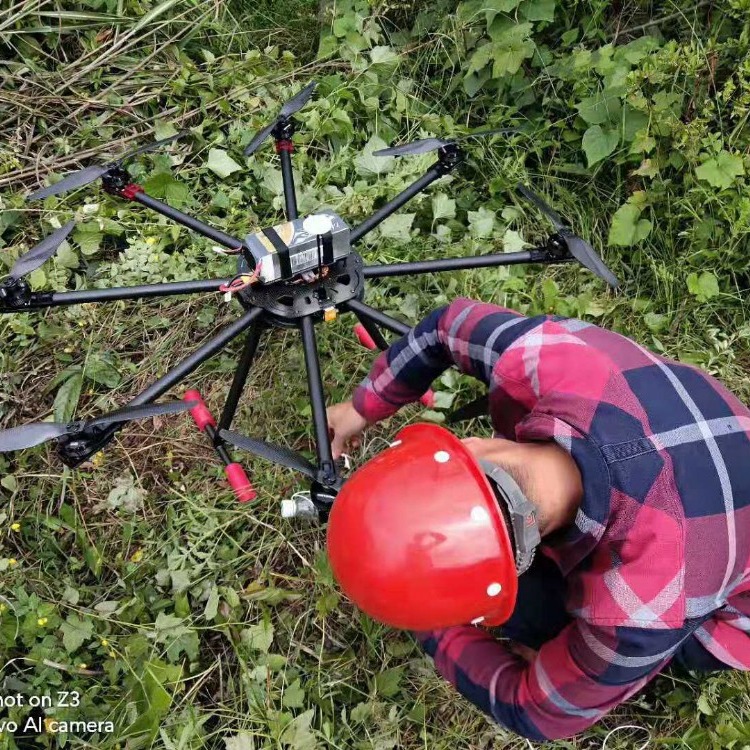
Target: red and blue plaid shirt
660,549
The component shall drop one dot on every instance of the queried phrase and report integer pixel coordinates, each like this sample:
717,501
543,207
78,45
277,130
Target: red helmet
416,538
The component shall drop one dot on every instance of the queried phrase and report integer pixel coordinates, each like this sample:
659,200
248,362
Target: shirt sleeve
468,334
572,682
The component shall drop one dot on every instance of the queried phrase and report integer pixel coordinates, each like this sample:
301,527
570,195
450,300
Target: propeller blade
587,256
479,407
278,454
425,145
41,253
487,133
29,435
578,247
71,182
261,136
90,174
422,146
129,413
296,103
542,206
149,147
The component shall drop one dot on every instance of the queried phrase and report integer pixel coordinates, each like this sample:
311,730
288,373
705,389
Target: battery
295,247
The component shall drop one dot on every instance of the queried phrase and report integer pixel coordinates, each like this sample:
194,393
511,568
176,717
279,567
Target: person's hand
527,653
345,423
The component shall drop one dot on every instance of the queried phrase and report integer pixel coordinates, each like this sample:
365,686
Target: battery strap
285,264
327,248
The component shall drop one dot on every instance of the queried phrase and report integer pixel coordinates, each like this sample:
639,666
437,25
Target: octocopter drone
295,274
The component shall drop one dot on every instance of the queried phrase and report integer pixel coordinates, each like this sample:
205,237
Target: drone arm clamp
130,191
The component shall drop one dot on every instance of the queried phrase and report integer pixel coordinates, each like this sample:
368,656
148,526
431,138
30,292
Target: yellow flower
15,527
150,240
41,622
12,561
98,459
105,642
112,653
82,666
137,556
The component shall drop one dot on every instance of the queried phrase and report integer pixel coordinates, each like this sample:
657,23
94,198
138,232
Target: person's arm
465,333
573,680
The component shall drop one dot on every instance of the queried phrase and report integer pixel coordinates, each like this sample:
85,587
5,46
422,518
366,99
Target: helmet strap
521,511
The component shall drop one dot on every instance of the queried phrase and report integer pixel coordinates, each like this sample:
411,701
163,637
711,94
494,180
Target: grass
191,621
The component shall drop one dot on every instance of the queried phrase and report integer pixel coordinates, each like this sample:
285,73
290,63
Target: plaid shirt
660,547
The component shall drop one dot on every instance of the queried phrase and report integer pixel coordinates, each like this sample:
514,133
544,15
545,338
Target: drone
295,274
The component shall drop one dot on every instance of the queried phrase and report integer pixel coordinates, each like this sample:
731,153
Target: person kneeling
581,528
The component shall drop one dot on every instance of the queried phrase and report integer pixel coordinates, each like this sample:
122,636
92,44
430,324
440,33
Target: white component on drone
317,224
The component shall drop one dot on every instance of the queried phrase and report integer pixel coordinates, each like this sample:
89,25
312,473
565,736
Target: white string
629,726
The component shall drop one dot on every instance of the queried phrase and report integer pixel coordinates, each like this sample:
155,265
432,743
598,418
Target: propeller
293,106
579,248
29,435
278,454
425,145
90,174
41,253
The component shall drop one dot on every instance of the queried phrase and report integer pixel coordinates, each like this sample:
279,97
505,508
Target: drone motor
298,246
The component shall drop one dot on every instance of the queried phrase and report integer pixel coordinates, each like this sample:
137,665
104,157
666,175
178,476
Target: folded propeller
41,253
578,247
29,435
90,174
270,451
425,145
293,106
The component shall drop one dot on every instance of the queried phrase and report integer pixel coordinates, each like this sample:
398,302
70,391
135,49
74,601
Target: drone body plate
288,301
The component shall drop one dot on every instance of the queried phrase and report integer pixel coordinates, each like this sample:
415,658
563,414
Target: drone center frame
287,301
